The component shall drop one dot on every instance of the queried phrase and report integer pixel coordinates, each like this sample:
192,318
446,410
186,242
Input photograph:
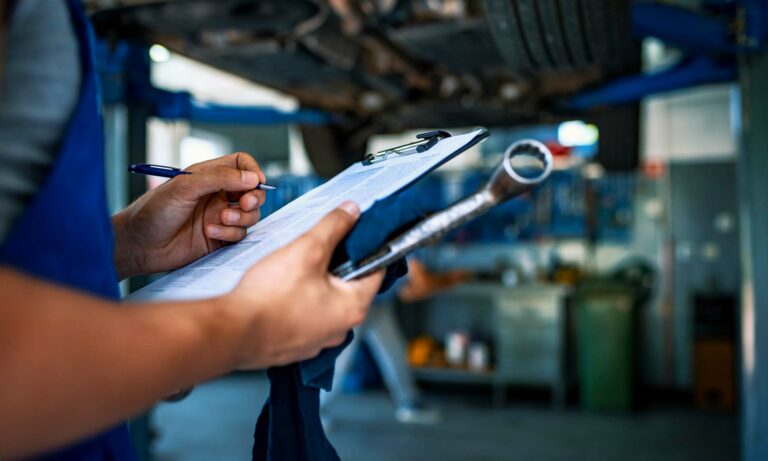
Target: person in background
73,363
382,334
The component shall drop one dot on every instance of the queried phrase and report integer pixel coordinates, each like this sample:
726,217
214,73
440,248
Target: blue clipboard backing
387,218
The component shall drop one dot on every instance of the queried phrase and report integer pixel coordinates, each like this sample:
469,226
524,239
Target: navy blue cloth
65,234
289,427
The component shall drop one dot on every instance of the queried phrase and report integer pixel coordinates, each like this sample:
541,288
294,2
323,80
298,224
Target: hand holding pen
171,172
190,216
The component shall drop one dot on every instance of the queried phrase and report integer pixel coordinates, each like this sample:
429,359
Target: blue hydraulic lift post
753,165
125,125
138,112
753,193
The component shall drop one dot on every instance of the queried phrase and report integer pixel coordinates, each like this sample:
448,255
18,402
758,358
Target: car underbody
398,63
388,65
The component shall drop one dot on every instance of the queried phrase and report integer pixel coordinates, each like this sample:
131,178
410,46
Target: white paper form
220,271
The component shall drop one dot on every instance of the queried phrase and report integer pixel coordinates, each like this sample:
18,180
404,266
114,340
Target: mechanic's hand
188,216
302,308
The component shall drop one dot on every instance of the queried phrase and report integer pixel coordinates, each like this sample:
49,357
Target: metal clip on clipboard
425,142
524,165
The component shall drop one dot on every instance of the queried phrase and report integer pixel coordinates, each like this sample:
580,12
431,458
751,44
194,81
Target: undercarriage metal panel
425,69
462,46
193,17
293,72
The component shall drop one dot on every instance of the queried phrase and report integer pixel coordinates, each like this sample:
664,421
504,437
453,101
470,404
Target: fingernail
351,208
250,178
231,217
213,231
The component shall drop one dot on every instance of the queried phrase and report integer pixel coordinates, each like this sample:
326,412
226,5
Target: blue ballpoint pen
171,172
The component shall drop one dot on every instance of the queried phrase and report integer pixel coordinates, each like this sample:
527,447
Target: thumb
359,293
364,289
334,226
193,186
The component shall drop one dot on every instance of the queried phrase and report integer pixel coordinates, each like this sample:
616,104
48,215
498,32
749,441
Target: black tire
572,23
561,34
553,32
333,148
507,33
598,30
533,33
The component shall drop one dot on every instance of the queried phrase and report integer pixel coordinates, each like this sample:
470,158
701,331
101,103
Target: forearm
72,364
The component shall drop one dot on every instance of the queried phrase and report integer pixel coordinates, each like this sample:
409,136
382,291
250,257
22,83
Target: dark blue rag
289,426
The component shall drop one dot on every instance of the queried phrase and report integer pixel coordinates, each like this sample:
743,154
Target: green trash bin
605,331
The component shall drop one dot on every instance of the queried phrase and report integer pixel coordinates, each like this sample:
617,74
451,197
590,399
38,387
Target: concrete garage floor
216,423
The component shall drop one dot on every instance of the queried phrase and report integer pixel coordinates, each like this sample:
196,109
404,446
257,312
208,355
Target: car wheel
561,34
332,148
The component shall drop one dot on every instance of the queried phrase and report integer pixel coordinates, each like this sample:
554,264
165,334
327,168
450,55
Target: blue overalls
65,234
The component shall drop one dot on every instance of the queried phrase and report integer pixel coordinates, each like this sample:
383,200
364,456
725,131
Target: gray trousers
382,334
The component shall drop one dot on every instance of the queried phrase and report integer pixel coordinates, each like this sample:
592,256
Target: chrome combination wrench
525,164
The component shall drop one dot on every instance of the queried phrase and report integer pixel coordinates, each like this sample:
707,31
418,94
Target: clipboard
377,176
